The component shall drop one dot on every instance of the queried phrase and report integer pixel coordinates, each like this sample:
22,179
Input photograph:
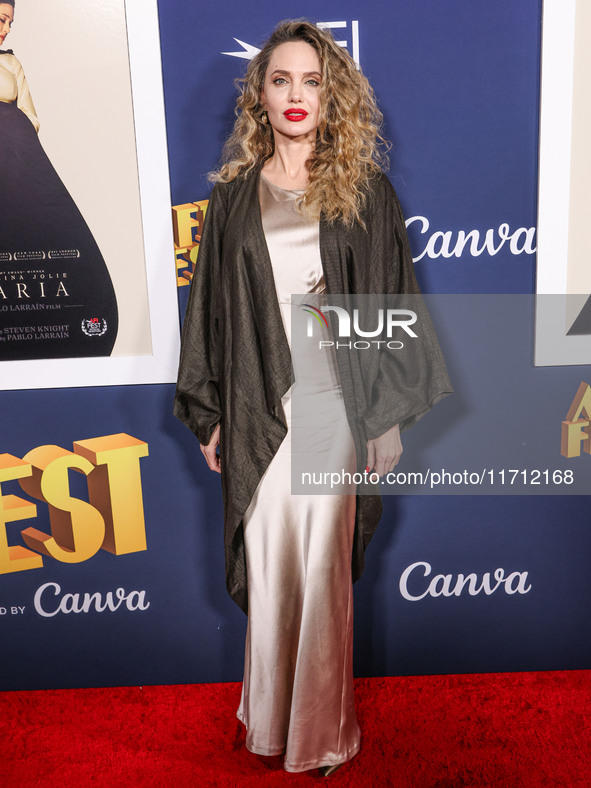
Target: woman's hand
383,453
210,452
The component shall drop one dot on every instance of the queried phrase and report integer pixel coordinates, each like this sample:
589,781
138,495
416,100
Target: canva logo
49,601
390,319
454,244
455,585
112,519
576,428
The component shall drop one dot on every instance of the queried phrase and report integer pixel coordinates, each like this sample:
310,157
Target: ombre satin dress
297,694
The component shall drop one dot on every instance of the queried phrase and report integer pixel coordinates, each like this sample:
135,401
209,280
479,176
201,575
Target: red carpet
511,729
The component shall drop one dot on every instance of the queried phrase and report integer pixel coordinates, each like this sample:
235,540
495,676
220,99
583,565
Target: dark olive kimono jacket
235,359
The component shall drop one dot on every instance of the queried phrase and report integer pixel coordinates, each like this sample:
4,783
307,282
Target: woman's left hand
383,453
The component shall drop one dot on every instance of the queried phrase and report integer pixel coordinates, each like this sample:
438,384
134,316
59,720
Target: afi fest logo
111,520
248,51
393,318
576,428
94,327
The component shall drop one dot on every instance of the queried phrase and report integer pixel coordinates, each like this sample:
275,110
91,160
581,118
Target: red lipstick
295,114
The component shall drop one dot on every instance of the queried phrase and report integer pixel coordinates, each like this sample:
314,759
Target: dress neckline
281,188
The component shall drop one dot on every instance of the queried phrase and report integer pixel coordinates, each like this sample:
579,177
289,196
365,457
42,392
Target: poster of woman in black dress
563,274
84,197
57,299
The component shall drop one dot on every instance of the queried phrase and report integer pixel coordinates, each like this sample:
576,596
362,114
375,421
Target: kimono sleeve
411,380
197,399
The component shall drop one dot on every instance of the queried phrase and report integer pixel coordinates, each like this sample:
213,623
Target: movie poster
563,314
74,262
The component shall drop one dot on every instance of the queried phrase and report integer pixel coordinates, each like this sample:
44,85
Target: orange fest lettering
187,226
112,519
576,429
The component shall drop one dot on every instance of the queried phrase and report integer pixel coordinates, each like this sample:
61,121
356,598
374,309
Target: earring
265,117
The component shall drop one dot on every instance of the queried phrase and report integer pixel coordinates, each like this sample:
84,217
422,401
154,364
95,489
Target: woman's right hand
210,452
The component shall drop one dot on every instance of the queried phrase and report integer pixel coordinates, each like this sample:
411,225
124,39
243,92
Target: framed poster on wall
563,286
87,279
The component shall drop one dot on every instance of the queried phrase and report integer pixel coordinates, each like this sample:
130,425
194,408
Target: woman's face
6,17
291,91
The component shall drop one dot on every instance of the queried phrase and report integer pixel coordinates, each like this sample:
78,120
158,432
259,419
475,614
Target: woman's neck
287,166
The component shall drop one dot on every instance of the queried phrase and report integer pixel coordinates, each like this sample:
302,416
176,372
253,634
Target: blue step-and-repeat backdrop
111,544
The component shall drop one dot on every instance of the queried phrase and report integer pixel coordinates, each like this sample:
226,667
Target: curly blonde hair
350,148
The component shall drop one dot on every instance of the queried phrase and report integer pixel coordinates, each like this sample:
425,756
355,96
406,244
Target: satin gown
297,694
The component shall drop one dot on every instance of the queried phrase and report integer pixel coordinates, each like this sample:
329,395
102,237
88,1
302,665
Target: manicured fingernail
367,468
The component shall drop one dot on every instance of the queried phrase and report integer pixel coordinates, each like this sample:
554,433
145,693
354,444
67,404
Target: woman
300,206
55,284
